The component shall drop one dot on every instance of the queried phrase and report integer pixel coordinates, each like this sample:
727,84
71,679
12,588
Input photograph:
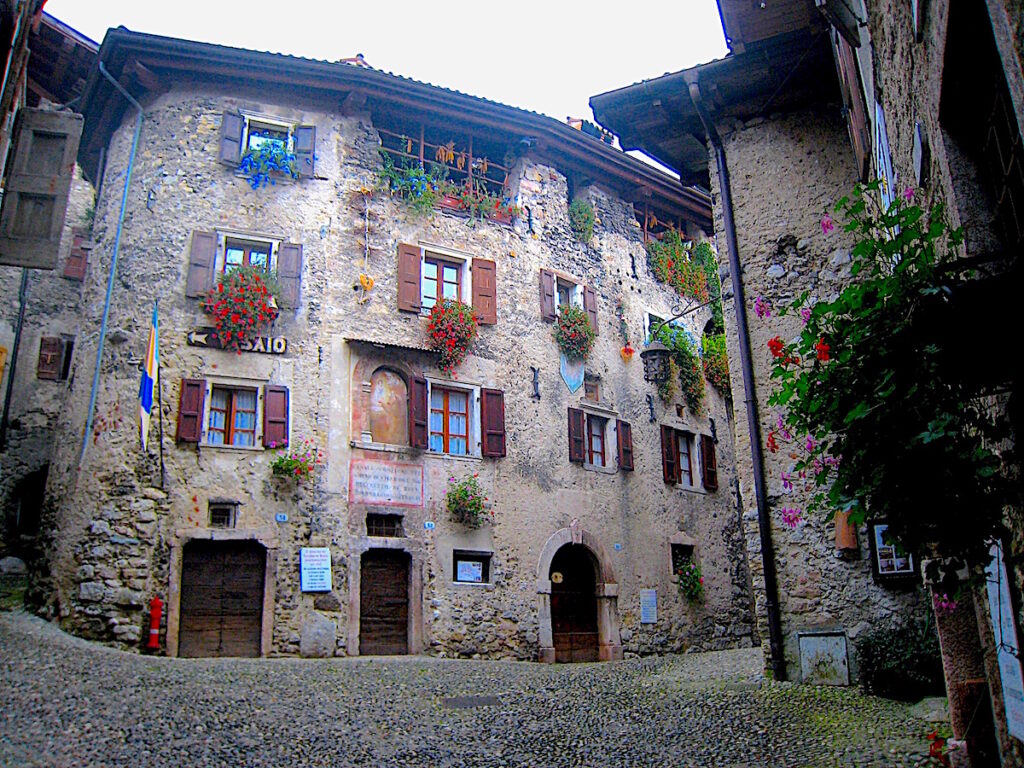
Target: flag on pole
150,366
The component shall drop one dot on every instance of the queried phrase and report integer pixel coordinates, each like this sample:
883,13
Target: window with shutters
596,426
456,419
450,414
233,414
558,290
598,441
55,358
214,253
427,274
688,460
245,131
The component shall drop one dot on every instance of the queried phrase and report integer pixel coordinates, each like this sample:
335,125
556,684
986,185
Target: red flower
773,445
775,345
822,349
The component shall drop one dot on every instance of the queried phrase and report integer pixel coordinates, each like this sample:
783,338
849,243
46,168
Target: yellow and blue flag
147,387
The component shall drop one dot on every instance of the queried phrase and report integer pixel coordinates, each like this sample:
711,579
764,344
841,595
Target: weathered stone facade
120,533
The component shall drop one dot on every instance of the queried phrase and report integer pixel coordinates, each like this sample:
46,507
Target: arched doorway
574,604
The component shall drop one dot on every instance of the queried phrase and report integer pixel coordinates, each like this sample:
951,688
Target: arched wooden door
574,604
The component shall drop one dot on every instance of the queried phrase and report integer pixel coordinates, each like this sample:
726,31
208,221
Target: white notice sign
315,569
648,606
385,483
1000,608
470,570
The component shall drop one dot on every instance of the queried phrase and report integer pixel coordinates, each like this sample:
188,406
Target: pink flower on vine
762,307
805,315
787,481
791,516
943,603
908,194
827,224
810,445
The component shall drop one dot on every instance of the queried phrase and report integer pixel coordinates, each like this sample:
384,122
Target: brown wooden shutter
419,435
190,410
305,150
853,101
708,462
624,438
485,289
590,305
275,416
50,354
408,277
36,193
289,274
231,138
669,455
78,258
201,259
577,431
492,422
547,296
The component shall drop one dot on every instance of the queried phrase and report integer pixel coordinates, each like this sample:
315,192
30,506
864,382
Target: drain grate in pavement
469,702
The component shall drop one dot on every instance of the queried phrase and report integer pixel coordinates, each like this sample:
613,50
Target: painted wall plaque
385,483
315,569
648,606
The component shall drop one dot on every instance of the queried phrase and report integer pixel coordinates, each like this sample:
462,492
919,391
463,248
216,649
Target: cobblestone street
66,702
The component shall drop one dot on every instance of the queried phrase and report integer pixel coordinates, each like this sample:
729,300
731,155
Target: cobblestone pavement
66,702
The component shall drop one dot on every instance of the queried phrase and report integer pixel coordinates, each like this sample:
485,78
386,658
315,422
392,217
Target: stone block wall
118,529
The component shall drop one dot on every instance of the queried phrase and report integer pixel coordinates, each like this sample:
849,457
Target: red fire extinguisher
156,608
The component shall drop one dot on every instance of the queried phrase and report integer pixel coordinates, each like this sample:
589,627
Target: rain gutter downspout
771,587
113,262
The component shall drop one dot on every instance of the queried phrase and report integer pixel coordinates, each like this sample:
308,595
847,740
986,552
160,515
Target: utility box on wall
823,658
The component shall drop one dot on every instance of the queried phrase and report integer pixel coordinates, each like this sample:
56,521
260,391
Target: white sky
549,57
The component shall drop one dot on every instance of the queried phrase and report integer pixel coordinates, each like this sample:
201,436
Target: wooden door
384,603
574,605
221,598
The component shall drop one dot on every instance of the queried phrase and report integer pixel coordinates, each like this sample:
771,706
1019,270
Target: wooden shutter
36,193
669,455
201,259
853,101
408,277
78,258
231,128
190,410
590,305
485,288
492,422
624,438
289,274
708,463
50,354
419,435
547,296
275,416
577,432
305,146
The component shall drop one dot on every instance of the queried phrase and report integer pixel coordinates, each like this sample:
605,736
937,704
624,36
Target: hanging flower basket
573,333
452,328
627,352
263,164
241,306
466,503
691,581
299,463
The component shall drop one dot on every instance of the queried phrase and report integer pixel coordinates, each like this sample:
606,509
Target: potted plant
466,503
573,332
260,165
241,306
451,327
691,582
298,463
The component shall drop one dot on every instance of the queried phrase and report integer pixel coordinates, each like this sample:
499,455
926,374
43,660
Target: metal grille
384,525
1004,156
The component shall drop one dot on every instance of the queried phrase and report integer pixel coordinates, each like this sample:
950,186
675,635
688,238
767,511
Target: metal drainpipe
113,262
771,587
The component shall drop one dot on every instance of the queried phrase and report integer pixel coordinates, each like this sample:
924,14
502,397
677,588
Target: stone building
926,95
587,518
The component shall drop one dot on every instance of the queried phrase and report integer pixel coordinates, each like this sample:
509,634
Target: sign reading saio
267,345
385,483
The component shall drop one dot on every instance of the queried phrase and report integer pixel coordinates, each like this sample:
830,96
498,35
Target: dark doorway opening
384,602
574,604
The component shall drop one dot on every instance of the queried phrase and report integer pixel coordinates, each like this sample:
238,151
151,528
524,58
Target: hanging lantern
655,357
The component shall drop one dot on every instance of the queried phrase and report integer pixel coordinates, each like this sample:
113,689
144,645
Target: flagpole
160,401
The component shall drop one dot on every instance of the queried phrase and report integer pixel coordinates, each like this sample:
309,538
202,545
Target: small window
591,390
471,567
223,514
682,555
442,279
54,362
568,293
232,417
383,525
686,457
596,426
449,420
245,253
259,134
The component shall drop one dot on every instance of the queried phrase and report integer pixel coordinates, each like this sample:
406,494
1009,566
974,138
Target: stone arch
606,592
388,412
368,362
